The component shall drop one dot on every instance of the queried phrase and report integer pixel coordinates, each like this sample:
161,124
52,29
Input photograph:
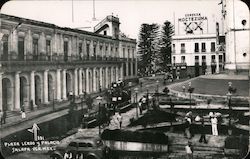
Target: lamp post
229,97
190,90
231,90
147,99
157,90
99,98
136,91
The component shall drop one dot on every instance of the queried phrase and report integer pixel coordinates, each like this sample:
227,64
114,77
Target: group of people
215,119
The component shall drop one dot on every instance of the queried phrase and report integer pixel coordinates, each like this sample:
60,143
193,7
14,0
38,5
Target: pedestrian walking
183,89
187,124
202,131
1,116
119,118
31,105
4,117
140,107
23,114
189,150
214,123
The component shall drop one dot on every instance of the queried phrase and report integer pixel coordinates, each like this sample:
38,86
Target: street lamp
147,99
157,90
190,90
99,98
231,91
136,91
229,95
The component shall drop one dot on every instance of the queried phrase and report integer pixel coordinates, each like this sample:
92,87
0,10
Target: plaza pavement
215,85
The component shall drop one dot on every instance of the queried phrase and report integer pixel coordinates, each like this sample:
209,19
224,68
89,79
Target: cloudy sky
132,13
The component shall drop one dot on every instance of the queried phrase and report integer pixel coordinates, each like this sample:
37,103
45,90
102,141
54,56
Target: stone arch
7,94
24,89
69,82
90,81
83,81
109,76
103,78
38,89
97,79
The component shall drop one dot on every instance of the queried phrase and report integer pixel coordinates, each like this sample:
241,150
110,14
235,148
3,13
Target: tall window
116,52
100,50
106,51
173,59
5,40
196,47
173,48
48,49
35,49
94,51
203,47
220,58
203,59
183,60
80,51
87,50
196,59
65,50
111,51
213,58
20,48
212,46
183,48
123,52
128,53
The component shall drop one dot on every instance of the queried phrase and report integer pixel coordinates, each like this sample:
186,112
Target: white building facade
195,47
236,30
41,63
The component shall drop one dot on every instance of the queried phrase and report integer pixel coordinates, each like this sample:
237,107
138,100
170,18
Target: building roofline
53,26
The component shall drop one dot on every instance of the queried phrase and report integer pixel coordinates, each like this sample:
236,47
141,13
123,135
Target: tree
147,47
165,45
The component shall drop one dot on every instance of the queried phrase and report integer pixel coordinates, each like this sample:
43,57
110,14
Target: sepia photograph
125,79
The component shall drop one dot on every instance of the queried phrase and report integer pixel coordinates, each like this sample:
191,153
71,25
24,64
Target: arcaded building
41,62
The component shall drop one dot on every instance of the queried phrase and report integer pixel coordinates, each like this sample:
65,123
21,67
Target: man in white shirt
214,123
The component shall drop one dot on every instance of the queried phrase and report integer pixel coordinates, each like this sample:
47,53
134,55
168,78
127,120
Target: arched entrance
90,82
83,82
103,79
24,101
69,87
109,76
38,90
97,81
7,94
51,88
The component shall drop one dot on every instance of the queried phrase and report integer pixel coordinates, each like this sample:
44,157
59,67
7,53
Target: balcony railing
58,58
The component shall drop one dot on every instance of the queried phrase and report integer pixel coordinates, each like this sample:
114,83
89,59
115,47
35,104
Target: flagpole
72,10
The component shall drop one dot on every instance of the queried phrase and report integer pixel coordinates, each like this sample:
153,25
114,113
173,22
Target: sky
132,13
